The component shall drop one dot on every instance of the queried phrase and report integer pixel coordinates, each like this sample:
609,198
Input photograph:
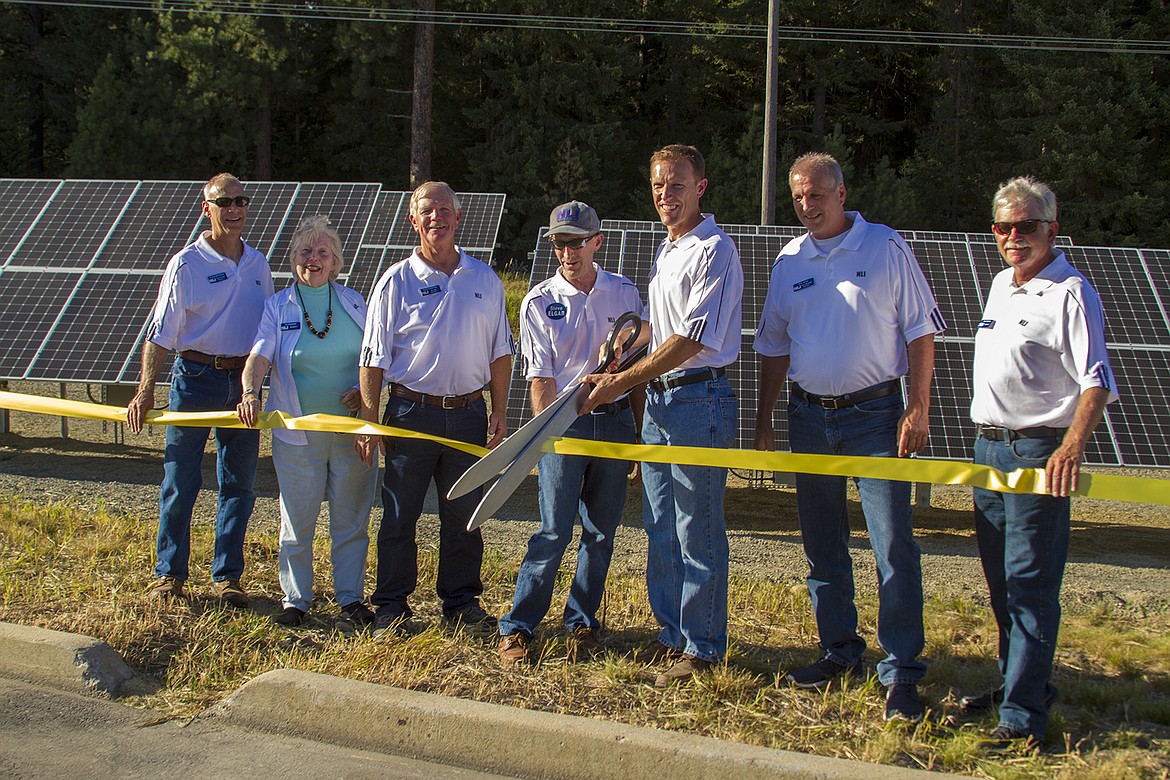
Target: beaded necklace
328,316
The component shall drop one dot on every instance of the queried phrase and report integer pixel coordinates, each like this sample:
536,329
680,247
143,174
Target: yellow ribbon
939,472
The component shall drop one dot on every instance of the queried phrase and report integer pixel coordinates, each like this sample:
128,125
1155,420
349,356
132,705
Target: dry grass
71,570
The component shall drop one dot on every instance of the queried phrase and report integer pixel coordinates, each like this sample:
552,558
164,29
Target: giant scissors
516,455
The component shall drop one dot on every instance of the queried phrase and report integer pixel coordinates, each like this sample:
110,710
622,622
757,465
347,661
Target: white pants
327,468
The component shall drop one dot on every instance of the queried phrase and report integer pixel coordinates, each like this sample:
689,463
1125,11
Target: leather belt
849,399
667,382
995,433
619,405
219,362
442,401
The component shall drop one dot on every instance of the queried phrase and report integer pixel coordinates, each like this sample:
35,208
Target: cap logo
569,214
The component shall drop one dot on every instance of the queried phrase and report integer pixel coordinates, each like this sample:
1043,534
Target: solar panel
364,270
947,267
162,218
480,223
951,430
267,214
74,226
99,329
348,207
21,202
389,209
1140,421
31,300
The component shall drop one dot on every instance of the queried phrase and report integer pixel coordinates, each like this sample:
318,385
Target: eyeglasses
1023,227
224,201
572,243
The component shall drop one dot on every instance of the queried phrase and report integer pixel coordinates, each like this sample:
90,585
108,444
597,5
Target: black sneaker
902,703
1006,738
355,617
981,701
290,618
819,675
392,622
471,615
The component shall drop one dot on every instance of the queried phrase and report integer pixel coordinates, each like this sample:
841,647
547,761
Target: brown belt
220,362
443,401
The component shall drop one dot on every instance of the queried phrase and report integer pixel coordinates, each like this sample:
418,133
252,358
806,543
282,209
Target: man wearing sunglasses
564,320
848,312
208,309
1042,380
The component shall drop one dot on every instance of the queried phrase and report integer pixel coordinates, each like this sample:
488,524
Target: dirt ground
1119,557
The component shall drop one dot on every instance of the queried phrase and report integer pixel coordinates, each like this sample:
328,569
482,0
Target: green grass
86,572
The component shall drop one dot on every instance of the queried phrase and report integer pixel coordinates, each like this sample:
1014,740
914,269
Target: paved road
47,733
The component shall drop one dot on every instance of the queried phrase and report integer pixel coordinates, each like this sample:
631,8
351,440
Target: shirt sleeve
772,338
1086,358
268,332
378,339
918,313
503,343
166,322
717,284
535,342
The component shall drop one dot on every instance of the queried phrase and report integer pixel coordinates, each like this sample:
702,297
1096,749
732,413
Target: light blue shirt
324,369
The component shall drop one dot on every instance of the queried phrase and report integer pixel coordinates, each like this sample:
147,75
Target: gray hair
310,231
219,180
427,187
818,163
1023,191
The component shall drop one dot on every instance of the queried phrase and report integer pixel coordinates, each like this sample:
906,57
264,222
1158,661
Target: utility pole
424,79
771,95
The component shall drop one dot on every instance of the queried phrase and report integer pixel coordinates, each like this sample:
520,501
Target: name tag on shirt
556,311
807,283
431,290
989,324
290,325
219,277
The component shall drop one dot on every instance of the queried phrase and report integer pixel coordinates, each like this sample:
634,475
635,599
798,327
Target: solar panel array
81,261
1134,285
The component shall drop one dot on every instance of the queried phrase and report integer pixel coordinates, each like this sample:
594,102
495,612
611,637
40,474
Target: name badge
807,283
988,324
219,277
556,311
291,325
431,290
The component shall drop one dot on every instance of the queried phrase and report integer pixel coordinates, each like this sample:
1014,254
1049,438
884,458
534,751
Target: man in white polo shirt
209,304
696,287
1042,380
437,332
848,311
564,320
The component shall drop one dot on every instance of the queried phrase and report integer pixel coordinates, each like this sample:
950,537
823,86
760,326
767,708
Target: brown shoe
583,645
514,649
230,592
684,669
166,588
654,654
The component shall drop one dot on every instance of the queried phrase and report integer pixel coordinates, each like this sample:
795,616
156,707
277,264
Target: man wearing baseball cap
564,320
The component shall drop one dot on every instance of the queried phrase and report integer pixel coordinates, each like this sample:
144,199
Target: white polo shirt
208,303
562,328
845,317
1038,347
696,291
433,333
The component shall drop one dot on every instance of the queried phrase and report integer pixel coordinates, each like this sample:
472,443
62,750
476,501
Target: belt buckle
832,403
449,401
216,365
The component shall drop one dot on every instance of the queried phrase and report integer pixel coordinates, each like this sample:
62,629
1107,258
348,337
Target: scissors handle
614,332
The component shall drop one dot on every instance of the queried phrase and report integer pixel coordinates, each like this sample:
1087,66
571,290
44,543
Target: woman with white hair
310,335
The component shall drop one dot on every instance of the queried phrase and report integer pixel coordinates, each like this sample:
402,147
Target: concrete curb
507,740
71,662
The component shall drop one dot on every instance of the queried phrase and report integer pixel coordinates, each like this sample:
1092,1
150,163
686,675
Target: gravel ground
1119,554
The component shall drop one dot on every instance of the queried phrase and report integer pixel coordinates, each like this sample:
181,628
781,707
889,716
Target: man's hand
352,399
765,437
140,404
913,430
247,410
497,429
607,388
1062,470
366,445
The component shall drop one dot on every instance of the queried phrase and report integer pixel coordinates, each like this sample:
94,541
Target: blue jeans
1023,542
411,465
867,429
199,388
682,508
595,487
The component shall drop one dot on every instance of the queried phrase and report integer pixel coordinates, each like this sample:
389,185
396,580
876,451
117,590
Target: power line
805,34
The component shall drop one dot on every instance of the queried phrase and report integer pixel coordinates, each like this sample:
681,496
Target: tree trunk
424,76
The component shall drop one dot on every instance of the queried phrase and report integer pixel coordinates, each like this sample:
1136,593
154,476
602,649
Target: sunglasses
1023,227
572,243
224,201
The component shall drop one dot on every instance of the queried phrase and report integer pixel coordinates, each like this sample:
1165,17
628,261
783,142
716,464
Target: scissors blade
506,451
506,485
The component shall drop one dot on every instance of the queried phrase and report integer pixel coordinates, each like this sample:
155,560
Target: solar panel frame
74,226
33,298
161,218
